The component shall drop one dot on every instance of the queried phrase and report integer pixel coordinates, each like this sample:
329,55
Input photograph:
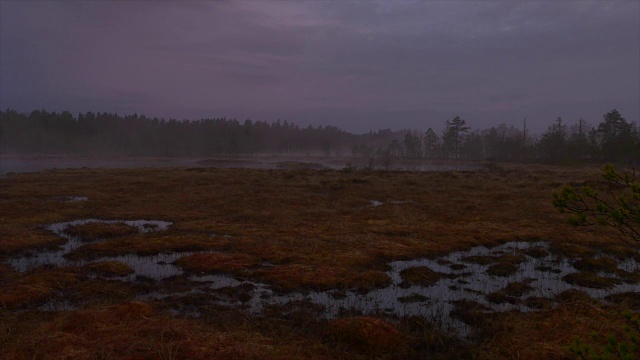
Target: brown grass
111,268
316,210
506,265
591,280
546,334
319,231
216,262
517,289
302,277
34,287
511,293
421,275
629,300
134,330
366,334
93,231
149,244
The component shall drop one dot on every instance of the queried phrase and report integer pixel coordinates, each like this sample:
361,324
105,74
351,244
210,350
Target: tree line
614,139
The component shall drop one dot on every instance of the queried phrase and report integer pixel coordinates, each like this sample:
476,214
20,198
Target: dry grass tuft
216,262
470,312
150,244
628,300
517,289
421,275
134,330
34,287
547,334
596,264
301,277
511,293
591,280
111,268
94,231
366,334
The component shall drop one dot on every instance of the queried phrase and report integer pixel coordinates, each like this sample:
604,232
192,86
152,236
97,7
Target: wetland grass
111,268
420,275
295,230
93,231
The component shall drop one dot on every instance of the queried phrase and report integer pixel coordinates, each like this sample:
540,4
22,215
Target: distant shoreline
24,163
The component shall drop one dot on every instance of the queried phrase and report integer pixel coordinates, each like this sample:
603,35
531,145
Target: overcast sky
357,65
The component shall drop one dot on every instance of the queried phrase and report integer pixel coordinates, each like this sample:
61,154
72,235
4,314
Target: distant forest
104,134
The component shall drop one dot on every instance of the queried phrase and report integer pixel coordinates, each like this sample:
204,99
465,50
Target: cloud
357,65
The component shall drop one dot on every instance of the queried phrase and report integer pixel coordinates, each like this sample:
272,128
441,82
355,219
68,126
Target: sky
357,65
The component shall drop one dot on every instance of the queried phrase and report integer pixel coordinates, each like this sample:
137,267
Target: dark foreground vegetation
614,139
297,231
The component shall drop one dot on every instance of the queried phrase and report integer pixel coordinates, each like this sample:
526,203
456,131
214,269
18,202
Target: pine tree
452,135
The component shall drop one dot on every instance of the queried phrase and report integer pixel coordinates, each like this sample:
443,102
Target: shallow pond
473,275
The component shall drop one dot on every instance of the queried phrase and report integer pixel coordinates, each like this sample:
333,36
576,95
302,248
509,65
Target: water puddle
376,203
71,198
57,257
463,279
522,276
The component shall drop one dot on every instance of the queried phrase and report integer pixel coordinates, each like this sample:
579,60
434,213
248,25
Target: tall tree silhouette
452,135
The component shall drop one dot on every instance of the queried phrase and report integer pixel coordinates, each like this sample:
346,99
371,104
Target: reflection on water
71,198
57,257
463,275
24,164
435,302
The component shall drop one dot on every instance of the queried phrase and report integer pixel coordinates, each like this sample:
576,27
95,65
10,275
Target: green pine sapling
616,207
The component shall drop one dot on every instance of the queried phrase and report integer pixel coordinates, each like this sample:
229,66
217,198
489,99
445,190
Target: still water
461,278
